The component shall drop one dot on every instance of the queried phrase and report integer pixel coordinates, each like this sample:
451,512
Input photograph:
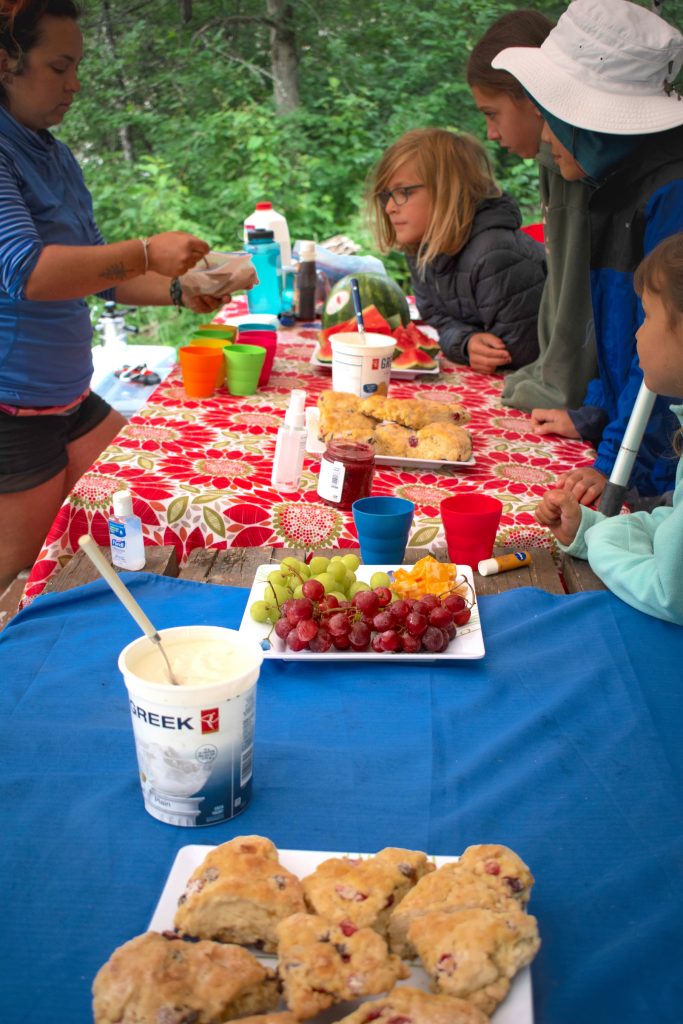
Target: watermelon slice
374,324
409,353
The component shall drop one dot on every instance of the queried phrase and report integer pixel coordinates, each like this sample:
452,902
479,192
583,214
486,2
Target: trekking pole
613,494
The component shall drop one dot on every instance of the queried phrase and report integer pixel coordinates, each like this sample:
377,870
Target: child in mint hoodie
640,556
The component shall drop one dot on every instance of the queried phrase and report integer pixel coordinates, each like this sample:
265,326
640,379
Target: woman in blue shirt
52,256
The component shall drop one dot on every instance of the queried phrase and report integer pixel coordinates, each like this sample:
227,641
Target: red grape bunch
370,620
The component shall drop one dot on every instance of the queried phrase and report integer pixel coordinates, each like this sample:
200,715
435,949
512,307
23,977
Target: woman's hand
486,352
553,421
586,484
561,512
205,303
172,253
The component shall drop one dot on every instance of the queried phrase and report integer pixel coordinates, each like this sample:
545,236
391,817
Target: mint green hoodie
639,556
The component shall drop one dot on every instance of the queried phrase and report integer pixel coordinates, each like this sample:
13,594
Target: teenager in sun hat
603,81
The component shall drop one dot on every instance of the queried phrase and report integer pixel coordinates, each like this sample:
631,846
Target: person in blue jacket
603,82
640,556
52,255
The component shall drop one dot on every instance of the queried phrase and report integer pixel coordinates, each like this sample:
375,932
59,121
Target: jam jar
346,472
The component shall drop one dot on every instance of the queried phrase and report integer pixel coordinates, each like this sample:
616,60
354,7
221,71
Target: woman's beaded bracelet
176,292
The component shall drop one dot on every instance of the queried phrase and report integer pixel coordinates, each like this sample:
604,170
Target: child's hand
486,352
585,483
561,512
553,421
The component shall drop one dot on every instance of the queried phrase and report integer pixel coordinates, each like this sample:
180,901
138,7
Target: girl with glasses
476,277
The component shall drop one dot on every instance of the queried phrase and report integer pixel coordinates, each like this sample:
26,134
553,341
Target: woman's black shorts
33,448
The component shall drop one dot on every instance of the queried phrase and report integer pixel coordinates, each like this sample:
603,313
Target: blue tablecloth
564,743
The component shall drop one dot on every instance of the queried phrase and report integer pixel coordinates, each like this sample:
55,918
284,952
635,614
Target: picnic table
199,470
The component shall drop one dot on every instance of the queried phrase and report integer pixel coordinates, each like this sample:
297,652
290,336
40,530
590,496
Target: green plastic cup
227,331
242,368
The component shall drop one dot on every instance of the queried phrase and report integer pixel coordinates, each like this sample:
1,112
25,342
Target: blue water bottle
264,297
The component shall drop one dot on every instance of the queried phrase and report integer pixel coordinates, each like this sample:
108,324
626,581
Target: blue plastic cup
383,526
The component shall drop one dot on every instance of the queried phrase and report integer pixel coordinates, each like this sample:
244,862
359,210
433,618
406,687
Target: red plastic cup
268,341
470,522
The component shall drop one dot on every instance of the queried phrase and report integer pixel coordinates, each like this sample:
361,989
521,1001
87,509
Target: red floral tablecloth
199,469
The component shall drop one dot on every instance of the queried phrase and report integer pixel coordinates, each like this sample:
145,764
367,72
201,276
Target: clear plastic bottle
306,282
264,216
265,297
125,534
290,446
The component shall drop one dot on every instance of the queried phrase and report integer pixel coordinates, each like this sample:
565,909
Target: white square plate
517,1008
314,446
410,374
468,644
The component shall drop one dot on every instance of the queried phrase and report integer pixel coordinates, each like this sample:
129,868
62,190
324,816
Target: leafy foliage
176,126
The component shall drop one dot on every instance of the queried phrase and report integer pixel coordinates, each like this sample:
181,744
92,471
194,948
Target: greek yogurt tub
194,741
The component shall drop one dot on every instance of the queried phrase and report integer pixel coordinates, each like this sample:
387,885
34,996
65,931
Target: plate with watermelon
385,311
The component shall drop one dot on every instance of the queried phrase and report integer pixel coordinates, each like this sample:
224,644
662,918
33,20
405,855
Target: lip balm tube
516,560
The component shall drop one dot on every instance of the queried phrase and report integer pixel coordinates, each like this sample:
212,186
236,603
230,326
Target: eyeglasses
399,195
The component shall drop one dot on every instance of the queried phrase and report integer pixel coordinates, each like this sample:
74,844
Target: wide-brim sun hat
607,66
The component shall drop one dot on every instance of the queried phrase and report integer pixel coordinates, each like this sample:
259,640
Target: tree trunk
283,56
124,129
185,11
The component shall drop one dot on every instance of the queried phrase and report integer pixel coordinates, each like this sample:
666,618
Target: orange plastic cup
200,365
219,344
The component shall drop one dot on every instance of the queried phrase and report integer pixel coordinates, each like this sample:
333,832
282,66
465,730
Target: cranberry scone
364,890
500,867
239,894
157,978
321,963
474,954
409,1005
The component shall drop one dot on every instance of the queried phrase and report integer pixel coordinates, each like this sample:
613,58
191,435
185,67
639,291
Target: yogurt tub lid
353,339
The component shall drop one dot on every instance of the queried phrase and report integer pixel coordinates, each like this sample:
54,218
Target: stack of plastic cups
266,339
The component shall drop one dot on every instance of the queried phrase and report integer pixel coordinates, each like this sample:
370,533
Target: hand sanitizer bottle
290,446
125,534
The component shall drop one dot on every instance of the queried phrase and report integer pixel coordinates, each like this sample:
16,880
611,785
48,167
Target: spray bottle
290,446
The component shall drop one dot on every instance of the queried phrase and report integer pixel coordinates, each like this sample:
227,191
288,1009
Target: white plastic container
361,369
125,534
264,216
290,446
194,742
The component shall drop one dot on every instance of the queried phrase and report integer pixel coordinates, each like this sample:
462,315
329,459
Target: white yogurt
194,662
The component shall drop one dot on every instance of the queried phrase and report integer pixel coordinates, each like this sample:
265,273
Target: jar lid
352,451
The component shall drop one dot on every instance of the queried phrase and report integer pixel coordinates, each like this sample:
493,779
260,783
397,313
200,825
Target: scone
414,413
153,978
452,887
374,406
500,866
364,891
391,439
352,426
271,1018
473,954
321,963
239,893
409,1005
443,442
338,402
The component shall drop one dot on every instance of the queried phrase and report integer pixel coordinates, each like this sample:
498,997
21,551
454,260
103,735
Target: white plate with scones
328,876
380,433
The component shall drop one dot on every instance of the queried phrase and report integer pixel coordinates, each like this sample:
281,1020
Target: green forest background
191,111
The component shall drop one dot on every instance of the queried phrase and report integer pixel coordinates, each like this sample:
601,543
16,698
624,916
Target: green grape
290,561
275,594
304,570
351,562
356,587
272,612
259,611
278,578
337,570
318,564
349,579
380,579
338,594
298,591
328,581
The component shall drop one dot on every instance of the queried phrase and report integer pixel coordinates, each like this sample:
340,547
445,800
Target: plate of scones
246,931
416,432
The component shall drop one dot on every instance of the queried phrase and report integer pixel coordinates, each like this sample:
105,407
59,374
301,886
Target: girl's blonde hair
661,273
457,173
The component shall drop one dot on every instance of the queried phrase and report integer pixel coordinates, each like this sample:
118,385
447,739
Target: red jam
346,472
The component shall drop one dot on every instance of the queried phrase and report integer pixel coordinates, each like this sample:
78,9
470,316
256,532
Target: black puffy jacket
493,284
